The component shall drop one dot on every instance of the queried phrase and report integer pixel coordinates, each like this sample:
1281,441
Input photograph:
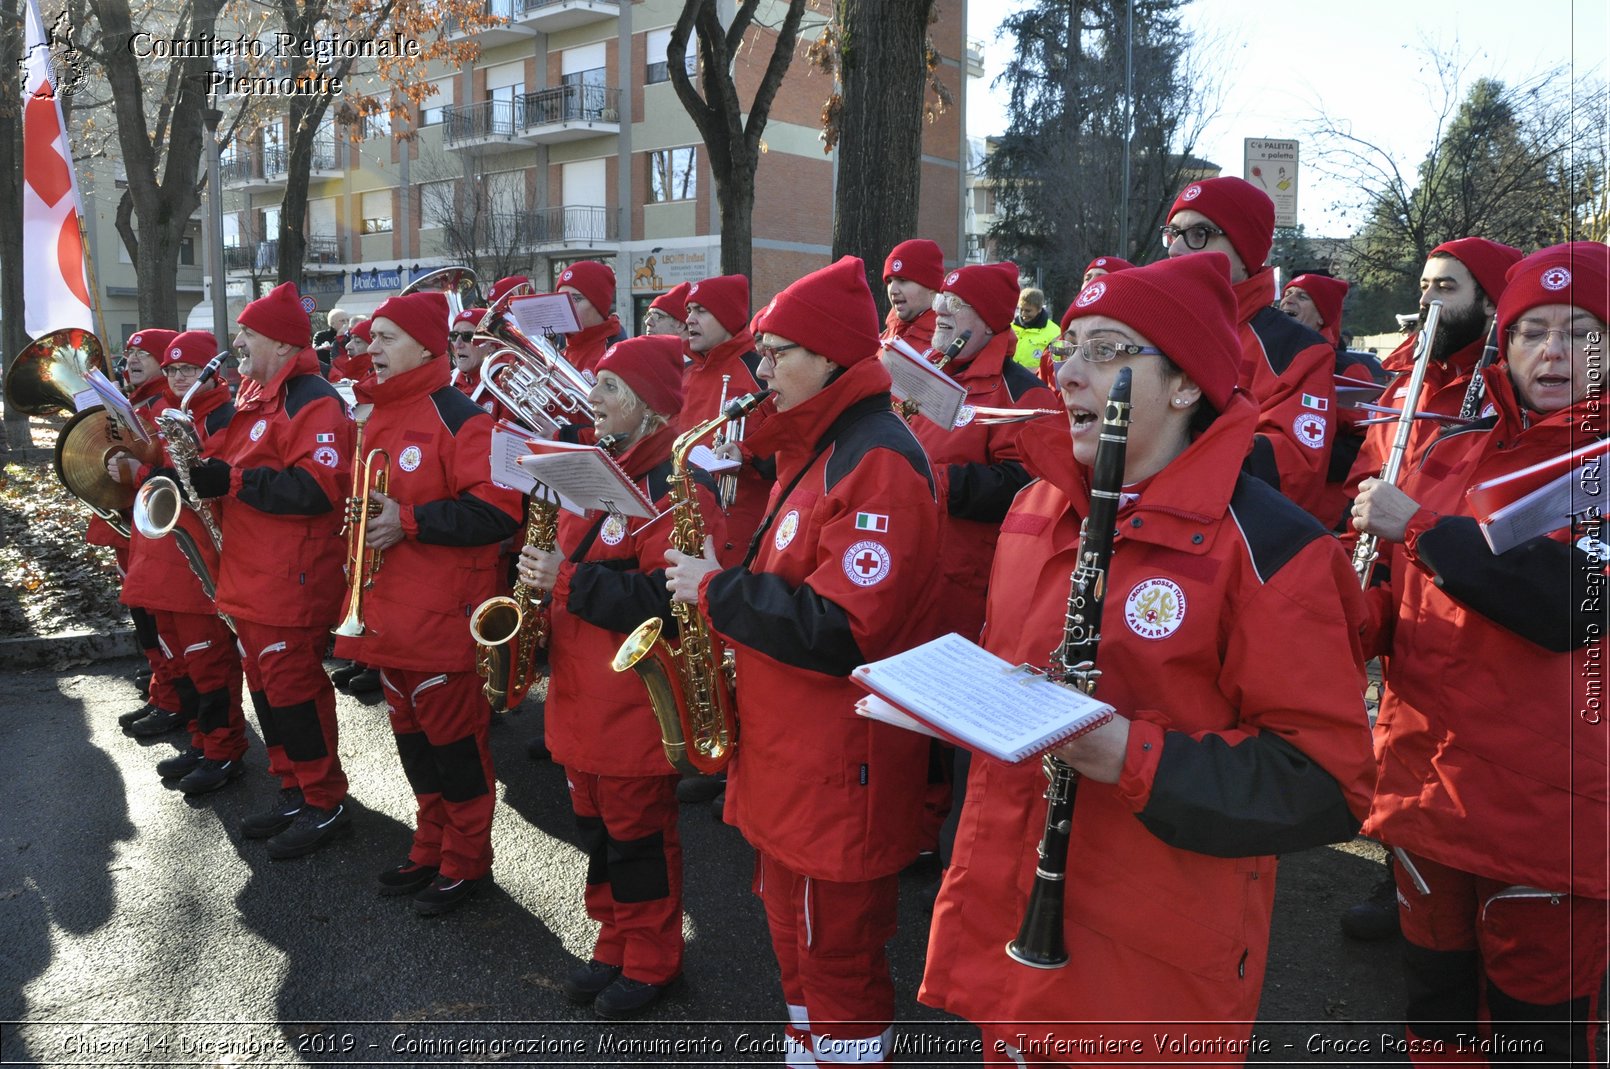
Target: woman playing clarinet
1229,648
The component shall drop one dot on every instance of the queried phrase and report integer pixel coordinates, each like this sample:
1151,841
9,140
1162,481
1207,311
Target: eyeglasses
1196,235
1099,352
949,304
459,335
772,352
1537,337
181,371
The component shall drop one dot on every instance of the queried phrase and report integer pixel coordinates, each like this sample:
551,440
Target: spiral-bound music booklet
957,691
937,396
587,476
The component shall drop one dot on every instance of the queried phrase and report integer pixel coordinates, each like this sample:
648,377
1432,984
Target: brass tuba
48,374
690,688
509,630
529,377
458,284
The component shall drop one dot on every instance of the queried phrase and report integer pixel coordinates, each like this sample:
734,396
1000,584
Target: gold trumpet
363,562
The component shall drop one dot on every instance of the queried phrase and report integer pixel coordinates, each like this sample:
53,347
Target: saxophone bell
647,653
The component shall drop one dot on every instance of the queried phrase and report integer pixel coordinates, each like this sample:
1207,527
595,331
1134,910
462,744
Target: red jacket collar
988,361
305,362
1253,294
797,431
731,349
154,391
595,335
1576,424
1401,360
644,456
427,378
209,399
894,326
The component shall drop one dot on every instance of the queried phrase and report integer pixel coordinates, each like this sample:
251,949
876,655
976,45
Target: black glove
210,478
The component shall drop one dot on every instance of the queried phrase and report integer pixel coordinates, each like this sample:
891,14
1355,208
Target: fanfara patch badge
259,429
1155,608
866,563
787,528
1555,279
1091,294
1310,428
410,458
964,416
895,266
327,456
613,531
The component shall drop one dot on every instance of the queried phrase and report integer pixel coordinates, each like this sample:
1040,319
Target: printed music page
106,393
586,475
544,313
938,396
979,701
1542,497
508,446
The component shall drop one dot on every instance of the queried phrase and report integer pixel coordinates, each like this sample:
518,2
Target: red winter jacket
979,472
1290,371
159,575
1491,735
702,386
917,333
1231,758
843,576
598,720
454,518
586,347
289,447
355,368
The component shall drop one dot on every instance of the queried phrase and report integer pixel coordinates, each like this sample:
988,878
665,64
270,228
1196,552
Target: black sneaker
210,775
180,764
444,895
365,682
312,828
142,678
627,998
343,675
584,982
406,879
695,789
156,722
1376,917
127,720
275,820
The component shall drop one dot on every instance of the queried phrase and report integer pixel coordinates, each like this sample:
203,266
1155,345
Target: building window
377,212
673,174
433,111
658,44
377,125
187,251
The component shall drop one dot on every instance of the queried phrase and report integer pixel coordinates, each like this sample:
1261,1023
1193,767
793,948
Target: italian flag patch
1318,404
324,437
871,521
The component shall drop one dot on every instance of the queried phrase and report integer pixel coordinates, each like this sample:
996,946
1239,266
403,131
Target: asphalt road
138,928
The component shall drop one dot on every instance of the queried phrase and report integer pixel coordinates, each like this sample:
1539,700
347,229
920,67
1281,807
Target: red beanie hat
991,289
592,280
1327,293
918,259
279,316
1240,209
1487,261
194,347
1576,273
1186,306
674,303
1108,264
153,340
726,297
363,331
504,285
830,312
652,367
472,316
422,316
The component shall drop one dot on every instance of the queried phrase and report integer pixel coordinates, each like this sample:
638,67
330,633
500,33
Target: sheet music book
106,393
543,313
705,457
586,475
964,694
1541,498
938,396
509,444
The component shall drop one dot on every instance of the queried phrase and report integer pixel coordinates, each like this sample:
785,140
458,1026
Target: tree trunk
737,198
884,74
12,335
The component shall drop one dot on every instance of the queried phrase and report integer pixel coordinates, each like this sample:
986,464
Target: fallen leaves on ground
55,581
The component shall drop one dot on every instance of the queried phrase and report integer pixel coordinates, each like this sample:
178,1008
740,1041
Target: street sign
1272,167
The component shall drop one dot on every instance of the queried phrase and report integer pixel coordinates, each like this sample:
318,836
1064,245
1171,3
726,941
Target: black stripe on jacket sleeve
793,625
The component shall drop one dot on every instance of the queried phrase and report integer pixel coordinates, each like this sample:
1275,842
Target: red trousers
296,707
1543,959
441,721
208,662
160,649
830,941
634,870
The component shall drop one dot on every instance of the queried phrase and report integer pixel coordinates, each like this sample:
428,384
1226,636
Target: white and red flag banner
56,281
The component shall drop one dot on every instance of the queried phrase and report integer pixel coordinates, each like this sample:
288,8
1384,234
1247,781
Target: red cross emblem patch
866,563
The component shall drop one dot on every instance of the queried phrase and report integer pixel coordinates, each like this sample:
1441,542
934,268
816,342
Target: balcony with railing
254,173
571,226
276,165
505,24
322,250
551,16
239,257
324,164
491,125
570,112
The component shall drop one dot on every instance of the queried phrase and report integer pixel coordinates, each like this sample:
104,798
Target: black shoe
627,998
365,682
343,675
444,895
156,722
127,719
718,807
406,879
312,828
180,764
695,789
142,678
537,749
275,820
584,982
1375,918
212,774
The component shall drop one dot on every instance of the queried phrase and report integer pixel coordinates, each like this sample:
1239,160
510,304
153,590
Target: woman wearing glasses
1217,759
1492,729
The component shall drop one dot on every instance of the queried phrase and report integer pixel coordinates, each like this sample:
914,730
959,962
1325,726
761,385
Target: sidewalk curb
71,647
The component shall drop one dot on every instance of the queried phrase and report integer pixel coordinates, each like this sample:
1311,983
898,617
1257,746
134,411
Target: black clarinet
1039,943
1471,405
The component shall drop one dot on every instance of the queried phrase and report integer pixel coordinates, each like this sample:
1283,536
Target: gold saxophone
689,688
510,630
